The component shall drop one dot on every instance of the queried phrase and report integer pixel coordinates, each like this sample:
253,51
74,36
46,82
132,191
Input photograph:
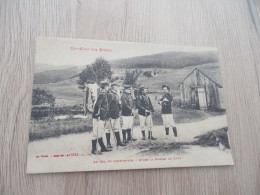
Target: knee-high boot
143,133
102,145
150,136
118,140
94,146
108,140
124,136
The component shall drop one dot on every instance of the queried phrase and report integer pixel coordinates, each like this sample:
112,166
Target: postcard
105,105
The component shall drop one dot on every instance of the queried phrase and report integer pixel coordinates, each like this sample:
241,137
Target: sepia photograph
103,105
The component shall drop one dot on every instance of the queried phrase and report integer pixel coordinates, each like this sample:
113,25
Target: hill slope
40,67
68,93
53,76
169,60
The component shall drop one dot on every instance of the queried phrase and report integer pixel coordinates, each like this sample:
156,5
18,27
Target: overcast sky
61,51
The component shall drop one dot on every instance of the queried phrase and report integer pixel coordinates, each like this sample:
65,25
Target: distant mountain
168,60
68,93
53,76
46,73
40,67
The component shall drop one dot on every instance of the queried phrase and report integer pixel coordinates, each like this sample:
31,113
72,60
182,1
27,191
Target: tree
131,77
95,72
87,76
41,96
147,74
155,71
102,69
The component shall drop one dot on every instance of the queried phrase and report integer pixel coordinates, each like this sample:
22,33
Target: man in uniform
127,114
101,116
145,110
166,103
114,103
90,96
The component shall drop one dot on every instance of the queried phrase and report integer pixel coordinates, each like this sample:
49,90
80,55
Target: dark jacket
166,105
127,104
101,107
114,104
143,103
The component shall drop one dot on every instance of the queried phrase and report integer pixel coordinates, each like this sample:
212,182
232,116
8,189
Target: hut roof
203,74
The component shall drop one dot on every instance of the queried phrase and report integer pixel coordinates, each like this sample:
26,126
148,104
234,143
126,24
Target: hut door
193,97
202,99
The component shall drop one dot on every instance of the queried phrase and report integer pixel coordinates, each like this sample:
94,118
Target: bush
131,77
49,127
213,138
147,74
39,112
41,96
176,102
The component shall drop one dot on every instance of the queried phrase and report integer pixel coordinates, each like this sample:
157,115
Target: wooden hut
200,91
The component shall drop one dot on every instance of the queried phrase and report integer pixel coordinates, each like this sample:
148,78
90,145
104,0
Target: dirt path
81,144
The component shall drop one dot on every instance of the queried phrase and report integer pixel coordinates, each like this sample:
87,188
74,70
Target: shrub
49,127
147,74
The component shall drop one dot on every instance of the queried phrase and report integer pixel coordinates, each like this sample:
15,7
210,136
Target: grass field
68,93
174,77
49,127
209,139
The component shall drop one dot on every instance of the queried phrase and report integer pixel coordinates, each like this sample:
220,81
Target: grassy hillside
53,76
45,73
68,93
168,60
41,67
173,77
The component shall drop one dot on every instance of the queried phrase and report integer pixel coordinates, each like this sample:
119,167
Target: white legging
146,122
127,122
168,120
100,127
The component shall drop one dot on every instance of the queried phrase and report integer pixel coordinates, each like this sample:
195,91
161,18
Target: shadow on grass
159,147
210,139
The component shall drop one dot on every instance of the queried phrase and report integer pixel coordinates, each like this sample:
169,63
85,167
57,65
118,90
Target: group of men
111,105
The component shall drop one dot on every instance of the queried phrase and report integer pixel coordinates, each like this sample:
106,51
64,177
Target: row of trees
101,70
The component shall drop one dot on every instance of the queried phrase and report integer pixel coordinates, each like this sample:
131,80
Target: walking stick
113,132
98,151
151,117
132,131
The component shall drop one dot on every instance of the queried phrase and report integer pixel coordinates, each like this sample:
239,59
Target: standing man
145,110
90,96
166,103
114,103
101,117
127,114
